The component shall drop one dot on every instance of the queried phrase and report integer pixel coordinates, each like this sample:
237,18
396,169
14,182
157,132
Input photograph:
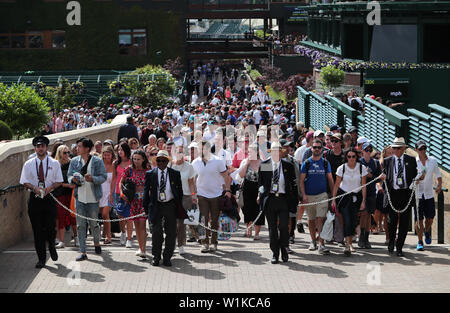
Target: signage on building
296,14
386,88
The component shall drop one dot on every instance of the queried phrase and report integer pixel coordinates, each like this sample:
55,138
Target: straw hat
162,154
399,142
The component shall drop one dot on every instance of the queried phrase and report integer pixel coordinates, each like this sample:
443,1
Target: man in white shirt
257,115
427,167
88,173
298,155
212,177
42,175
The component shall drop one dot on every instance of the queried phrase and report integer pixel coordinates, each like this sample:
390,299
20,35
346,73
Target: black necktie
276,175
400,174
162,183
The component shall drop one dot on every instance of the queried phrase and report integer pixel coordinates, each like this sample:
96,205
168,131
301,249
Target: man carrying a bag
315,172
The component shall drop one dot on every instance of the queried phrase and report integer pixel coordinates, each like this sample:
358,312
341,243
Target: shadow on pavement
113,265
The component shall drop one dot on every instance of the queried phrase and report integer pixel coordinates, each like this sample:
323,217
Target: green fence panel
419,126
302,105
440,134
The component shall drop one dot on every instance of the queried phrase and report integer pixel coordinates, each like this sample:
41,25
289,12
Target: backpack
308,164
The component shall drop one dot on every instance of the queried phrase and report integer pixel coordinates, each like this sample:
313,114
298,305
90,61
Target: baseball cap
335,127
362,140
309,135
420,143
352,129
318,132
337,136
366,145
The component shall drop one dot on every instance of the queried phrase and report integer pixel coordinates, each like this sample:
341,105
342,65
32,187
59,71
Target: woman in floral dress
136,173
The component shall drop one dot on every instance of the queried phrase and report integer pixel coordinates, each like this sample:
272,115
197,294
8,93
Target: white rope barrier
259,215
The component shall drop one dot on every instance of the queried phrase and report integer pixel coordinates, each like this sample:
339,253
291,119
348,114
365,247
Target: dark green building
411,32
114,34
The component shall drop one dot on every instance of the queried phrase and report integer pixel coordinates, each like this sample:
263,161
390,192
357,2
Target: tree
153,88
331,77
175,67
22,109
5,131
61,96
270,74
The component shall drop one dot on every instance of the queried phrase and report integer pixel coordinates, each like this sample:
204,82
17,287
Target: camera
80,179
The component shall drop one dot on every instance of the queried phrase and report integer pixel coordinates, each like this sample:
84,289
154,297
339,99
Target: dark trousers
399,199
42,213
277,213
167,210
349,211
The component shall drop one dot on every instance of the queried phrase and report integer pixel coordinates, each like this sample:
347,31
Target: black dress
250,193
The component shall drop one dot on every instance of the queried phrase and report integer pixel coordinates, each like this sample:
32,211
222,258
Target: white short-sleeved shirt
209,181
52,172
351,180
187,172
225,156
298,155
425,187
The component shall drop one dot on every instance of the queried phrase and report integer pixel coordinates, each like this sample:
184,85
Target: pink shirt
120,171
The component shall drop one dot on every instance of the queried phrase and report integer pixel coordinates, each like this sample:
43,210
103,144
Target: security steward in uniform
41,175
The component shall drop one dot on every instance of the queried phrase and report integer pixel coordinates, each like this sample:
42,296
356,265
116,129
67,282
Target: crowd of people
78,117
249,154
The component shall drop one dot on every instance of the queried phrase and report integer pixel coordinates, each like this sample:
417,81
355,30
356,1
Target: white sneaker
57,241
213,248
60,245
312,246
141,254
123,238
77,242
323,250
181,250
205,248
129,244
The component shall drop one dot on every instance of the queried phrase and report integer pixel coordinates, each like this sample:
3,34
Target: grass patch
275,95
254,74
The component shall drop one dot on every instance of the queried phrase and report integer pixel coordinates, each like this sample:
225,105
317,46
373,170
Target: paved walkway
239,265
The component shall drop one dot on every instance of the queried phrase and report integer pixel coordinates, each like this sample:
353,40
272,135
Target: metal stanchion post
440,216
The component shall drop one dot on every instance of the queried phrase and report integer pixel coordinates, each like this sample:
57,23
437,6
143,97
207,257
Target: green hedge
5,131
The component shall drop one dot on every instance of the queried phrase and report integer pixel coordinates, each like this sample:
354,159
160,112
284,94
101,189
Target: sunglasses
334,141
317,147
153,154
162,161
351,156
423,148
67,152
396,148
369,150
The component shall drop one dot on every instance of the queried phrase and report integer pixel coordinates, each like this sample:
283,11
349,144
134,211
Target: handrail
341,106
440,109
392,115
418,114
